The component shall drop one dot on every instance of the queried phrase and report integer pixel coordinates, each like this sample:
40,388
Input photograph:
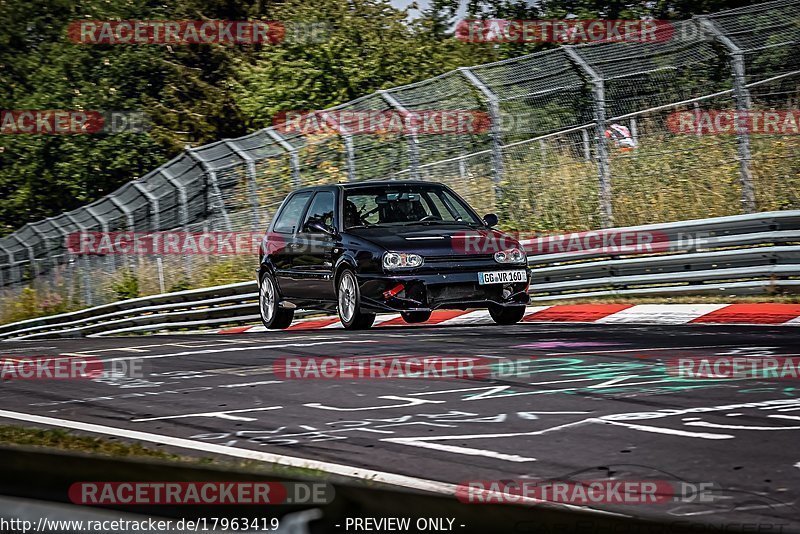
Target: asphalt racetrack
596,402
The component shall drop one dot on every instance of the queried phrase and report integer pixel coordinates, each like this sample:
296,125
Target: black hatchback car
406,247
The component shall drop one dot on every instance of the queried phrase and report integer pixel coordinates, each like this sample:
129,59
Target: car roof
367,183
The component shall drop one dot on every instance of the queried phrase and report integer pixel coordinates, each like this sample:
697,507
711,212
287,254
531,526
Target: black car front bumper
431,291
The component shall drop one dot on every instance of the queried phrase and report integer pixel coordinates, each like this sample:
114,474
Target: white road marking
433,486
239,349
670,431
339,469
411,402
460,450
225,414
262,383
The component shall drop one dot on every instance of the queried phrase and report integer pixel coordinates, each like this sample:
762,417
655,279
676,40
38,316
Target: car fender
345,260
266,266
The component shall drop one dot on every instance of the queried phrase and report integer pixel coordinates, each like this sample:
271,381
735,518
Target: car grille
456,292
460,258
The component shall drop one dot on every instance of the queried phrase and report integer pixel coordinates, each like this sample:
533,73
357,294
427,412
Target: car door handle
294,245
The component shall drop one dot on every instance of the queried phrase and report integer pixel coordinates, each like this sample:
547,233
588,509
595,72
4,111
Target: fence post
153,201
131,222
212,187
493,104
31,253
110,261
154,206
183,198
601,148
347,140
294,158
183,201
87,291
413,144
10,257
65,241
126,210
43,238
350,154
742,97
252,188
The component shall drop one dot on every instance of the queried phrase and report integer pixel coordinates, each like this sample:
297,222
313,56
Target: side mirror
318,227
490,219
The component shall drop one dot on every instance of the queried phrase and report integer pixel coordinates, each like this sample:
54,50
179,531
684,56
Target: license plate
503,277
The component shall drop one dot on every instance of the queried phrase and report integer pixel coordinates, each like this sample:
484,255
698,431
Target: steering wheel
430,218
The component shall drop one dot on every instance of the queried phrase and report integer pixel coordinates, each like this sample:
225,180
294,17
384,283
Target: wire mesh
538,162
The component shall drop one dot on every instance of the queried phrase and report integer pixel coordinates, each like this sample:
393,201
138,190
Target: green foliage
201,93
370,46
127,286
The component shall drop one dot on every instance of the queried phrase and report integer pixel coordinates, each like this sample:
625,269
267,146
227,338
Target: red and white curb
663,314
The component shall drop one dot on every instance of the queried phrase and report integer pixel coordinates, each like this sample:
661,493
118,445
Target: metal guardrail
37,483
739,255
742,254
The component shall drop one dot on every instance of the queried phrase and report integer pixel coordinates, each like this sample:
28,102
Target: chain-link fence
553,158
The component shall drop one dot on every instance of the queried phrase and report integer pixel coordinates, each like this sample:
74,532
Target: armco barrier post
601,147
742,97
294,157
212,188
183,210
252,191
131,227
493,104
347,141
413,143
10,257
110,262
43,238
85,282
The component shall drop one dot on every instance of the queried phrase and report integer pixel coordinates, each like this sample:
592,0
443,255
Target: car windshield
405,205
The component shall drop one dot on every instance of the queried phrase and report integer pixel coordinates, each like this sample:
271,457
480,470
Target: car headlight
511,255
400,260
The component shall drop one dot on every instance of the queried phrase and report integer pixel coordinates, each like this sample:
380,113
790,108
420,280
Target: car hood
439,240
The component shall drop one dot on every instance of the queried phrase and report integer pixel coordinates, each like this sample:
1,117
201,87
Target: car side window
289,218
321,210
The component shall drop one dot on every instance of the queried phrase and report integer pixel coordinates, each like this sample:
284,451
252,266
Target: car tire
416,316
272,315
348,297
507,314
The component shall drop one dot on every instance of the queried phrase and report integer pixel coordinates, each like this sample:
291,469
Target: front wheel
349,297
416,317
507,315
272,315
